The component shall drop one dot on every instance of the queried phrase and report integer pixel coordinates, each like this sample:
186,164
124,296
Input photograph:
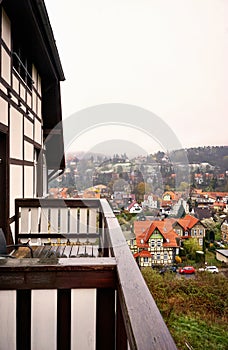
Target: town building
156,243
190,227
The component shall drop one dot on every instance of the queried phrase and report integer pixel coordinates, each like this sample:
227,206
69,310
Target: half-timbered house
30,75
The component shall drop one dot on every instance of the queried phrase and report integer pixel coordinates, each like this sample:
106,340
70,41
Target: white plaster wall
6,29
6,66
29,100
39,107
34,101
22,92
28,128
15,84
28,151
16,178
3,111
28,181
38,138
16,136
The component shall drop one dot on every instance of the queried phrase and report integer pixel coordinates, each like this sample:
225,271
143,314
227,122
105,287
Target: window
146,260
201,241
152,243
194,232
158,256
158,243
21,62
165,256
201,232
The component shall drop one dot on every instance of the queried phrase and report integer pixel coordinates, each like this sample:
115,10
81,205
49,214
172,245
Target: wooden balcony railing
98,300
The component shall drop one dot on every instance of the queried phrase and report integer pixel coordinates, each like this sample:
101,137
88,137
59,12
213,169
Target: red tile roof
188,222
143,254
144,230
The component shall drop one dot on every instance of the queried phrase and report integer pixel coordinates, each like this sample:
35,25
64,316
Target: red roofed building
190,227
134,208
156,243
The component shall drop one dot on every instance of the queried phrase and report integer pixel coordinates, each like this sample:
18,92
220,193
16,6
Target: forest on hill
216,156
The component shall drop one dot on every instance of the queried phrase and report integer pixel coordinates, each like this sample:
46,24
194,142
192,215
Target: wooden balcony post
105,332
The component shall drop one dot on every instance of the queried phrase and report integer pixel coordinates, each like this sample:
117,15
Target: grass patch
198,334
195,310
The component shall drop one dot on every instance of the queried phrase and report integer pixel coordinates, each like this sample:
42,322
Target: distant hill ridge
214,155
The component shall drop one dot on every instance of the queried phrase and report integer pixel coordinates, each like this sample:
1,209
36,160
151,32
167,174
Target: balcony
82,289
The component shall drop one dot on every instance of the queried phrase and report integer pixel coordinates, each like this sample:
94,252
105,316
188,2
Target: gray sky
167,56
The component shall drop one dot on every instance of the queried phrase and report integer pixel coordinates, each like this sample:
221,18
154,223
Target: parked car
212,269
168,269
187,270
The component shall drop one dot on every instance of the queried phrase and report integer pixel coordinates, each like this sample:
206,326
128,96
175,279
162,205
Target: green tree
213,229
191,246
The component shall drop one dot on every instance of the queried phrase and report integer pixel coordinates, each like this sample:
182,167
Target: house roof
223,252
144,230
166,230
143,254
187,222
173,195
141,226
132,205
219,204
202,213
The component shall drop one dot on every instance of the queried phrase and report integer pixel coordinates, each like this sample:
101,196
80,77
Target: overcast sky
167,56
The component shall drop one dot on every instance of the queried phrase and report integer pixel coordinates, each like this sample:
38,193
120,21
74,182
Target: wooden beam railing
144,325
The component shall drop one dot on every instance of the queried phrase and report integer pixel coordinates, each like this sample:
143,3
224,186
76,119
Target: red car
187,270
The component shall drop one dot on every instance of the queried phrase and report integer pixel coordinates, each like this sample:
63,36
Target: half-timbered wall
20,120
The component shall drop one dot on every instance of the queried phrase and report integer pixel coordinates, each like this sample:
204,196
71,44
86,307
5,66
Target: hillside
216,156
195,310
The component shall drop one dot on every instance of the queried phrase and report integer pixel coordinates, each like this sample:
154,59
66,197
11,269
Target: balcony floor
58,251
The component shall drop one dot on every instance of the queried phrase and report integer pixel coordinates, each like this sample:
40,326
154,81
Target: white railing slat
92,223
8,319
44,319
25,225
54,220
83,223
63,220
83,319
73,220
44,220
